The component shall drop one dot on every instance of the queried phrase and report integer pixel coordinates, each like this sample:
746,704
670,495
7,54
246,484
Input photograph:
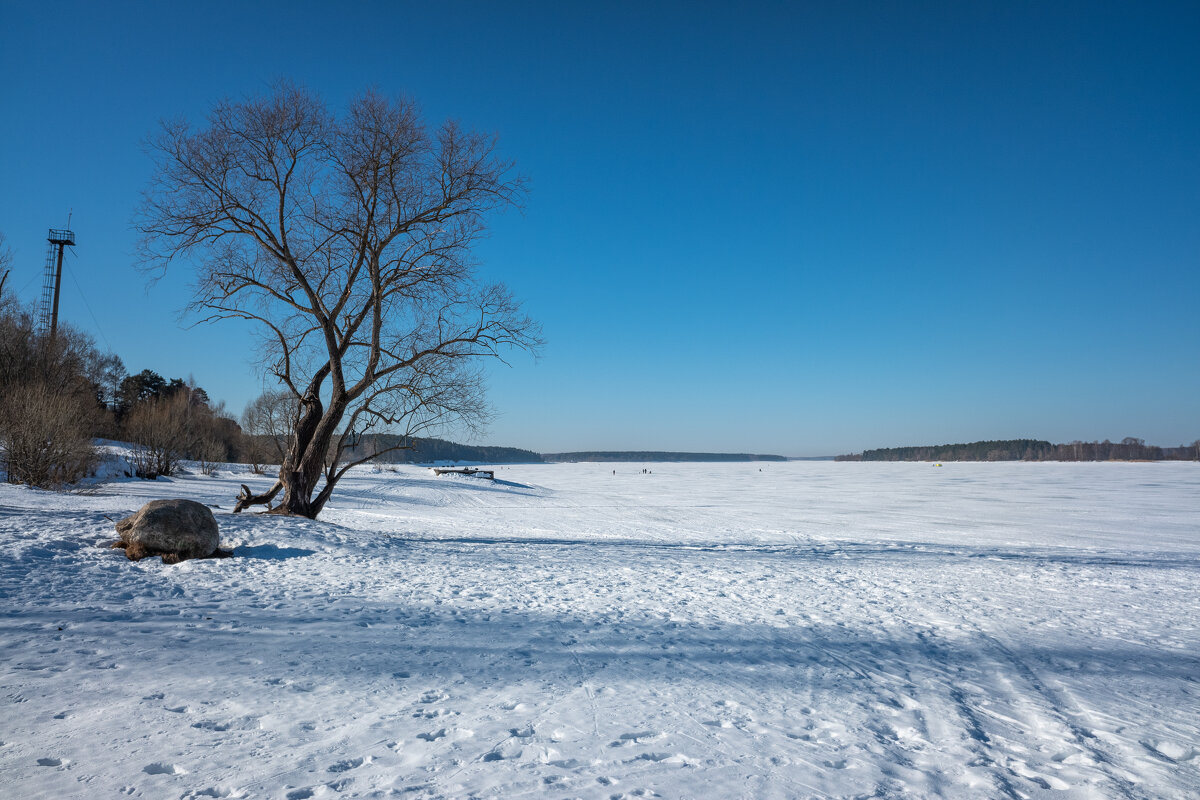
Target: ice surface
707,630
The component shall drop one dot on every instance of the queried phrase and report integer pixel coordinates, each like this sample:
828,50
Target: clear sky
784,227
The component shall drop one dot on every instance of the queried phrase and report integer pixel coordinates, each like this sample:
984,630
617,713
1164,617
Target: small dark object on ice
174,529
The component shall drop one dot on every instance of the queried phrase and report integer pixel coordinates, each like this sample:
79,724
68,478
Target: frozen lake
808,629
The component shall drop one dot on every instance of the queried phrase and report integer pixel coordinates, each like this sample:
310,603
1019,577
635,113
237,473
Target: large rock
173,529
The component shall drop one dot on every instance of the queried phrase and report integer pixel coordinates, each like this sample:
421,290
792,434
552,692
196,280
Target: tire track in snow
890,685
1062,712
978,741
1051,708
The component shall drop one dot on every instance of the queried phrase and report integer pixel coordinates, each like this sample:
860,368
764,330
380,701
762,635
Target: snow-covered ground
707,630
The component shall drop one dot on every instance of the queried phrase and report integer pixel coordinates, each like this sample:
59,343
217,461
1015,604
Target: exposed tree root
246,499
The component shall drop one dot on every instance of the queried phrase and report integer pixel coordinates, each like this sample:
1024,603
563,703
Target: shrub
45,435
158,430
179,425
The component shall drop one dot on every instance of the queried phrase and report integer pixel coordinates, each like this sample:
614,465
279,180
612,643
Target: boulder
174,529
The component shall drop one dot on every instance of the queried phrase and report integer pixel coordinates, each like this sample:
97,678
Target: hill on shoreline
428,450
655,455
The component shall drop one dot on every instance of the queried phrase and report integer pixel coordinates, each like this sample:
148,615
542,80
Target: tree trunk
304,465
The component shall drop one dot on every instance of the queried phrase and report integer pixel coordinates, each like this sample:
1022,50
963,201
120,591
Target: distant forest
422,451
426,450
1128,449
641,455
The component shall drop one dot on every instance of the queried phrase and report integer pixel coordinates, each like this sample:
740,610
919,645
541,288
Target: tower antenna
58,239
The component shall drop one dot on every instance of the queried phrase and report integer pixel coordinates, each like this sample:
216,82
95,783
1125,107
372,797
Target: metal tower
58,239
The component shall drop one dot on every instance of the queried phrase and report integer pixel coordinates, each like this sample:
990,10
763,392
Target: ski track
707,630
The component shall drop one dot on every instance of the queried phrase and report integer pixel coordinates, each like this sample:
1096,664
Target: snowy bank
708,630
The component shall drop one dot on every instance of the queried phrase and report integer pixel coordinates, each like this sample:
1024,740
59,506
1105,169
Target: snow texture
704,630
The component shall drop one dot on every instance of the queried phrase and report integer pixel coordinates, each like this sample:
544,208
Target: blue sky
773,227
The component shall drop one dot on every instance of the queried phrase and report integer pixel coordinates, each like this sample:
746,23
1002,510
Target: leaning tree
347,241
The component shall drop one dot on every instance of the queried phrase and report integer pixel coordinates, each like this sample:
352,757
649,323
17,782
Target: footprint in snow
1044,781
220,726
163,768
1072,757
507,752
434,713
52,762
662,758
346,764
1172,751
432,737
636,737
212,725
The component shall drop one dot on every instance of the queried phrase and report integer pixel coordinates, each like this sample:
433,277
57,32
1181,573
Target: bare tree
161,434
106,371
5,262
48,399
45,434
268,423
348,241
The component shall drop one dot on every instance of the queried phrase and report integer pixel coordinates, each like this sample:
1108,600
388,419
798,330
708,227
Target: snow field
707,630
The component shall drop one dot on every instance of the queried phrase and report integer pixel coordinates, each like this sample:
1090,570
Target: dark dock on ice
480,473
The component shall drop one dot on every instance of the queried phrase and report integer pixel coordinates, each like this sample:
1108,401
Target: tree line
1128,449
655,455
57,396
395,449
60,393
